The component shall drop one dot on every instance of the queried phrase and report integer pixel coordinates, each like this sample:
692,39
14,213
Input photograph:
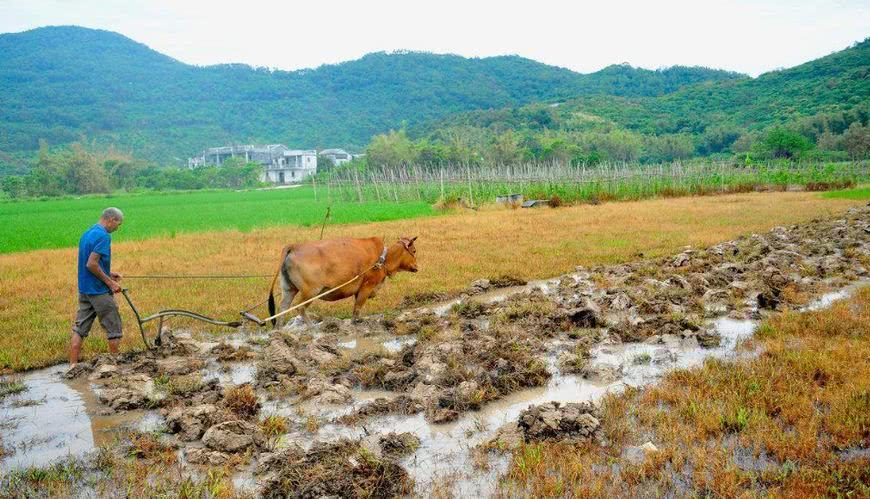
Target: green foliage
861,193
856,140
60,83
75,170
821,105
484,182
781,142
391,149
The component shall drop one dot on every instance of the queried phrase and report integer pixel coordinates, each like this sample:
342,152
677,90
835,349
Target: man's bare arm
93,266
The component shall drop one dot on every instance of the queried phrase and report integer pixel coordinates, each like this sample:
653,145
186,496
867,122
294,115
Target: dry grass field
38,288
792,422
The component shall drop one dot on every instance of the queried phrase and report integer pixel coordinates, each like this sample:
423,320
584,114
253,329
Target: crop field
57,223
389,194
38,288
479,185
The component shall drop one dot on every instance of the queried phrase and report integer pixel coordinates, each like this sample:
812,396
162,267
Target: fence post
470,193
358,188
375,183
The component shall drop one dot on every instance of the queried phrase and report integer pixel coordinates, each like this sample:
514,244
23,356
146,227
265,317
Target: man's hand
116,276
114,287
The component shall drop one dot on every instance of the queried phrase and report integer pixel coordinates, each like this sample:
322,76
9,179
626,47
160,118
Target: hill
817,101
62,83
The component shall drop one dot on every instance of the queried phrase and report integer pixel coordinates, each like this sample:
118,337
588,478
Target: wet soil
490,368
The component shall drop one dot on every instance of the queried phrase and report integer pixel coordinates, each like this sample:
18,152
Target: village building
282,165
338,156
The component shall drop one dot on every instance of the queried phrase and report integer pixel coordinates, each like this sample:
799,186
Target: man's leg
110,318
75,348
84,320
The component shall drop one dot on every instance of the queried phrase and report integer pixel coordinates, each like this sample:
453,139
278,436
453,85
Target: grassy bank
58,223
38,288
858,193
792,422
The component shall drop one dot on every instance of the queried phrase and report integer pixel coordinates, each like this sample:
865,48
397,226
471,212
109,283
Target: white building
282,165
338,156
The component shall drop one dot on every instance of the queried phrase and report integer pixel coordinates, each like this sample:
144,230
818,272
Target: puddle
231,373
496,295
64,422
372,344
827,299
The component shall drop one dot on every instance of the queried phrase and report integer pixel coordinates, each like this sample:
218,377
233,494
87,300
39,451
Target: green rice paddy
58,223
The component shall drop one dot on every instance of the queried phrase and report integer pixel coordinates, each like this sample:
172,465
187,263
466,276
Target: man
97,285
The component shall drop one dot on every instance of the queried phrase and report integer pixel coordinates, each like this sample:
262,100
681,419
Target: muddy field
430,400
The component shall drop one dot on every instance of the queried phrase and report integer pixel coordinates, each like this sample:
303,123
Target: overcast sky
746,36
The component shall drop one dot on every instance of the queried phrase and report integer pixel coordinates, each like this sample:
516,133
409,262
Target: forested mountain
835,83
822,105
64,83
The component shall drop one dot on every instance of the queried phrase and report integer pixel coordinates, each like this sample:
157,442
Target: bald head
111,219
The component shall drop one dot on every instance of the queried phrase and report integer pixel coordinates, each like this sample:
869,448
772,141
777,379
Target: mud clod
189,423
401,405
228,353
339,469
507,281
554,421
233,436
398,444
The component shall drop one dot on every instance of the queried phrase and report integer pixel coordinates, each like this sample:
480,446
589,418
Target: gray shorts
103,307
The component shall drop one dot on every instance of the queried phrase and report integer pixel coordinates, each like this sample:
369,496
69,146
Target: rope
306,302
208,276
378,264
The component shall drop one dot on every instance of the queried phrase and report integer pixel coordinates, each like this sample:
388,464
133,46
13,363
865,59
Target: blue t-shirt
94,240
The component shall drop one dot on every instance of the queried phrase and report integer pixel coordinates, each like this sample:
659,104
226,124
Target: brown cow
310,268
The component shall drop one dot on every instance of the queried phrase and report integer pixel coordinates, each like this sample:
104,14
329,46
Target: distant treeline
468,145
77,170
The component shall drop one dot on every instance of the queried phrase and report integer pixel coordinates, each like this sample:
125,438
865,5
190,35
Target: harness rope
186,276
173,312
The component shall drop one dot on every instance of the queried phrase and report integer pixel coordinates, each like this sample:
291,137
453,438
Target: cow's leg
305,295
359,300
289,292
289,289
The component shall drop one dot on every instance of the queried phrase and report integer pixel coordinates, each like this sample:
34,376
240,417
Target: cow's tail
284,252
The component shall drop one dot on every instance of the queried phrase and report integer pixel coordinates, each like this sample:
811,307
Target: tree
504,148
391,149
13,186
235,173
780,142
668,147
325,164
718,139
84,175
856,140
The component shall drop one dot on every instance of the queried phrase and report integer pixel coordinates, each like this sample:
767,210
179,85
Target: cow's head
408,256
